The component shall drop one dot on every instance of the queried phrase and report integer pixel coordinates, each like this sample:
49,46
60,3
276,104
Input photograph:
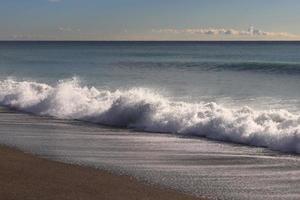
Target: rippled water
192,165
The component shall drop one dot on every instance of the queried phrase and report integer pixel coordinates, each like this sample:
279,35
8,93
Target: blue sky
149,20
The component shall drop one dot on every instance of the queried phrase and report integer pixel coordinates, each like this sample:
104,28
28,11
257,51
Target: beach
27,177
149,100
195,166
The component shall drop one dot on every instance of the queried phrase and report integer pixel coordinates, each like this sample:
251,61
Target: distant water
241,92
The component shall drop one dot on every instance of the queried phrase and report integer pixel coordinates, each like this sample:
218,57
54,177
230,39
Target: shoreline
24,176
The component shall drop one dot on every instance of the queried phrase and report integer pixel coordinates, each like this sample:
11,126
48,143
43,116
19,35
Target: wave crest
146,110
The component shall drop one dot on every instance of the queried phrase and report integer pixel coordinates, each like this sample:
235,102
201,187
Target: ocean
216,119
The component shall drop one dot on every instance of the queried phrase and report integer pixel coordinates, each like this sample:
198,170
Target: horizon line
150,40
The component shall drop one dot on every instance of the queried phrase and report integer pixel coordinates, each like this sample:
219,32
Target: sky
149,19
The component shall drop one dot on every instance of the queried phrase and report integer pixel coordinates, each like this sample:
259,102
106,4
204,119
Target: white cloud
54,1
22,37
30,36
68,29
223,31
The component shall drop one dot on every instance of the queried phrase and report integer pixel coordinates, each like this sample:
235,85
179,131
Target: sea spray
146,110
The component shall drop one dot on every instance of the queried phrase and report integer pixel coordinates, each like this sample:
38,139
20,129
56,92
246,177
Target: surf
147,110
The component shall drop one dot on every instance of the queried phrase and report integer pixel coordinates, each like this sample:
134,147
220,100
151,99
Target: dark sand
24,176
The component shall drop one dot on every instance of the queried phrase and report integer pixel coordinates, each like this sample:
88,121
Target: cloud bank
223,31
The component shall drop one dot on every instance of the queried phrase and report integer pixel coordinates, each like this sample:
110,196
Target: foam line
146,110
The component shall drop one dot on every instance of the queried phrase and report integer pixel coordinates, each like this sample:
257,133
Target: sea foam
146,110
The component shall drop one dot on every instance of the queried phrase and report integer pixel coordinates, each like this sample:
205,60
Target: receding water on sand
193,165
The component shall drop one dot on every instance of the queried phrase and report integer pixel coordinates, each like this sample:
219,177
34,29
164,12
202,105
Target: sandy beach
24,176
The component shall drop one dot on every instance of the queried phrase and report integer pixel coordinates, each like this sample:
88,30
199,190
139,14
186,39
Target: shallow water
193,165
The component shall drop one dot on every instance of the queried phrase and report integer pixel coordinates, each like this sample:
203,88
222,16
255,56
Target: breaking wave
146,110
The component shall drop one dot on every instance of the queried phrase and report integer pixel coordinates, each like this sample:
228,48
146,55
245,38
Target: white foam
146,110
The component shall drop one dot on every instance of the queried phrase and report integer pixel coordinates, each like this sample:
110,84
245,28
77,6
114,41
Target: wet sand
24,176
